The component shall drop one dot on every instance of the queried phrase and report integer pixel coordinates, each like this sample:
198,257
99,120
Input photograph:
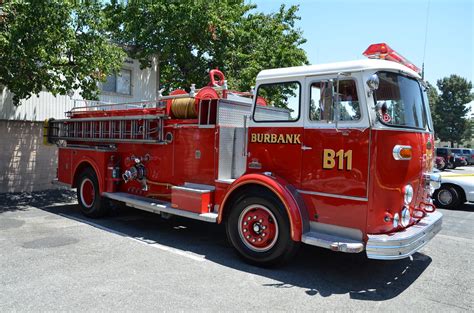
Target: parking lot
52,258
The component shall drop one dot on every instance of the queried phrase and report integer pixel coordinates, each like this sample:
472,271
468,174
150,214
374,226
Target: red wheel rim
87,193
258,228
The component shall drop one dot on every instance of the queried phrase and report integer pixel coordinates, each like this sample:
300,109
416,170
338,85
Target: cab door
335,156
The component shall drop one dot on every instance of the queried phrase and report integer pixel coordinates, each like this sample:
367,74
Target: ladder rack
116,129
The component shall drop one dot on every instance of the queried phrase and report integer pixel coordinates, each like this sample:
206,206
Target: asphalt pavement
54,259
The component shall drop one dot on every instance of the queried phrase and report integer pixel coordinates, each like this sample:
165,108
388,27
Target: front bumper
404,243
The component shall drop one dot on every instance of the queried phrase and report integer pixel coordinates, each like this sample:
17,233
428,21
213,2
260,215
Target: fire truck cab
336,155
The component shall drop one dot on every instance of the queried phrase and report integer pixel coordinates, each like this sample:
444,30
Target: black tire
88,195
277,247
447,197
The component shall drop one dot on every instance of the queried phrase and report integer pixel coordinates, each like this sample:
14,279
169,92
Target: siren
384,52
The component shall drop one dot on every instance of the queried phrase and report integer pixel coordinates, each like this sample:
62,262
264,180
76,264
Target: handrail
159,99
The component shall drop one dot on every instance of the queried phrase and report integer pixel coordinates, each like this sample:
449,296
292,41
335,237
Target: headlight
435,180
396,219
406,217
408,194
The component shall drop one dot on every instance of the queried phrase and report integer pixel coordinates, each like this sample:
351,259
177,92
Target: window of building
278,102
322,103
119,83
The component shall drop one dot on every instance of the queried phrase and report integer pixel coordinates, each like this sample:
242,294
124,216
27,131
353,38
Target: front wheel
259,229
88,195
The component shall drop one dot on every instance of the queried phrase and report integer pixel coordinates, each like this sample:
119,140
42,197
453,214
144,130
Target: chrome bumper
402,244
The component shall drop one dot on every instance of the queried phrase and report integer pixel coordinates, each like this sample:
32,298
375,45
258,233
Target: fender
294,206
89,161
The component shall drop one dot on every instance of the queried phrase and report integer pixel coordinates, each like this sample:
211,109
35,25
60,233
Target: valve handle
212,74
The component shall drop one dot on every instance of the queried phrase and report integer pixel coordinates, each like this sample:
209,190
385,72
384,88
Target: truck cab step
333,242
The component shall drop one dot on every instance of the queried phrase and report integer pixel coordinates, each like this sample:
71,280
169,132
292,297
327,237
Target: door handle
304,148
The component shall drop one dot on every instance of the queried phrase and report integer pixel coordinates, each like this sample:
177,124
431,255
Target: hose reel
188,108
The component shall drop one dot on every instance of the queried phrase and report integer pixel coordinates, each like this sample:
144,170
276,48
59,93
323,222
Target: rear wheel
259,229
447,197
88,195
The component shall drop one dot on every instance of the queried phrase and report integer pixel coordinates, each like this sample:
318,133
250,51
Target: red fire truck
334,155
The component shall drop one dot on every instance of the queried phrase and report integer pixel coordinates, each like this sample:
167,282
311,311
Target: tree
433,99
190,37
452,109
55,45
262,41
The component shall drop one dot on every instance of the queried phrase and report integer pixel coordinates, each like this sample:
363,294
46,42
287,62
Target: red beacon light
384,52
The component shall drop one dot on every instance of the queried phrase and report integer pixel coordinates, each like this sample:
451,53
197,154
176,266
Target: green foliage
433,99
263,41
55,45
190,37
451,108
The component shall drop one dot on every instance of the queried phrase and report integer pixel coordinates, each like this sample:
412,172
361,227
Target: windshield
399,101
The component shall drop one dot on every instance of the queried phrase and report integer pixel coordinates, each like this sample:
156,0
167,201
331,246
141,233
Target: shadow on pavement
318,271
19,201
466,207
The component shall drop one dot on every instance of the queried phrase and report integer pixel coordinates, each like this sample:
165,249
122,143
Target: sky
340,30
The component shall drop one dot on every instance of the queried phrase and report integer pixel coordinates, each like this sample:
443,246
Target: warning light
384,52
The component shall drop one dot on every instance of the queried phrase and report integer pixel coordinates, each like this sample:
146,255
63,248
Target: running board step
157,206
332,242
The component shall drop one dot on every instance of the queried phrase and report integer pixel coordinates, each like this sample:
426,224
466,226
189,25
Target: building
471,143
28,165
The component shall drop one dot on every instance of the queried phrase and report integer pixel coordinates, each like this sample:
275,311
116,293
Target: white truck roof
350,66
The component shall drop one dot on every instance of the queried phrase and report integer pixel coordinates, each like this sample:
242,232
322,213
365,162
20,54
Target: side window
322,104
119,83
279,102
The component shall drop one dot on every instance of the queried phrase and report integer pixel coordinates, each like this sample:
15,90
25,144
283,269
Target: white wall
39,108
25,163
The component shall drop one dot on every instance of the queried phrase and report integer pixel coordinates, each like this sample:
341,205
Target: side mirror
373,83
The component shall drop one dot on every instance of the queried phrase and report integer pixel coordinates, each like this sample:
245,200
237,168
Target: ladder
110,129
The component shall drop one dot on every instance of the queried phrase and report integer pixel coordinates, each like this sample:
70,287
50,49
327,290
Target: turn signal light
405,153
402,152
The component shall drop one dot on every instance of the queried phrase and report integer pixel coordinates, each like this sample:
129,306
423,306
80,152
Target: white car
456,189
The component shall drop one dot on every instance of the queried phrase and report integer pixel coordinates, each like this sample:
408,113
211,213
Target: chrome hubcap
445,197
